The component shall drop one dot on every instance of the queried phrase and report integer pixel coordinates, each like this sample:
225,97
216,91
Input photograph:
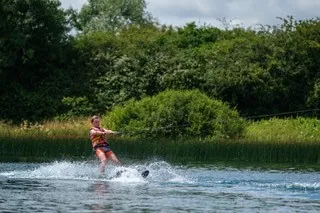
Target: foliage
177,114
285,130
257,71
236,73
78,106
112,15
295,63
34,52
122,55
123,66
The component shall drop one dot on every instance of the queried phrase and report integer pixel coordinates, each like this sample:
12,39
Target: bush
175,114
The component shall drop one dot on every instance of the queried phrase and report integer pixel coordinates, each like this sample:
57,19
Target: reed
44,141
269,141
36,149
231,150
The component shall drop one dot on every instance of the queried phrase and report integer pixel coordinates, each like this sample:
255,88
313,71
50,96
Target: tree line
60,63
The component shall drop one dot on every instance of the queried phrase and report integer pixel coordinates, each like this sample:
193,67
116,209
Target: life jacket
97,140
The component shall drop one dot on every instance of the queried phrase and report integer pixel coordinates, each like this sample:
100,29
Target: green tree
34,52
112,15
295,63
191,35
123,66
258,71
236,73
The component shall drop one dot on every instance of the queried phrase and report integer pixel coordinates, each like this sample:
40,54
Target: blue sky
244,12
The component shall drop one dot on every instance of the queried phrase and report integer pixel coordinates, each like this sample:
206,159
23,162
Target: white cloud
76,4
248,12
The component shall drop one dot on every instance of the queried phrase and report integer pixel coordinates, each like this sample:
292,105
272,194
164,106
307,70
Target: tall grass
236,150
62,129
274,141
45,141
298,130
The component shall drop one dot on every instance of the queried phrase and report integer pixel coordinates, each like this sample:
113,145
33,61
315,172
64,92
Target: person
101,147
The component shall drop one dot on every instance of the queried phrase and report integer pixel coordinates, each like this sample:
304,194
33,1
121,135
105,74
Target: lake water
76,187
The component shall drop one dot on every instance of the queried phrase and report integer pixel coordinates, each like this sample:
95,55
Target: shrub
175,114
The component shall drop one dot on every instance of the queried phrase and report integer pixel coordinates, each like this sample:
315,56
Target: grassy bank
298,130
268,141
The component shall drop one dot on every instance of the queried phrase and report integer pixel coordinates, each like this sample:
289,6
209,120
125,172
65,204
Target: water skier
101,147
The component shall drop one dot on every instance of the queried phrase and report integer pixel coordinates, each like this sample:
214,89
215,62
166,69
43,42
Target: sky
246,13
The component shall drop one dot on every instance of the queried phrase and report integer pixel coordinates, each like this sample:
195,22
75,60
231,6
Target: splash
56,170
160,171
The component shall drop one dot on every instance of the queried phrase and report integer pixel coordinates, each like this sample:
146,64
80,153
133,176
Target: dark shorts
105,148
108,153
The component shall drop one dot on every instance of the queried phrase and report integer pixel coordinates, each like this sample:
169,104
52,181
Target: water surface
76,187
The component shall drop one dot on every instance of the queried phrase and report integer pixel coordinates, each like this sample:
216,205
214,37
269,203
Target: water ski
143,174
119,173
